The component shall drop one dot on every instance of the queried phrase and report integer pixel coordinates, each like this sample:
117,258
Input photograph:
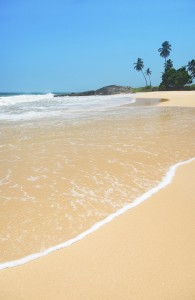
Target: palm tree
191,67
168,65
165,50
139,65
148,73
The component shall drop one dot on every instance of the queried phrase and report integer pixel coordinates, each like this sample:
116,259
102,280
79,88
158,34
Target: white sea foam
25,107
14,100
165,181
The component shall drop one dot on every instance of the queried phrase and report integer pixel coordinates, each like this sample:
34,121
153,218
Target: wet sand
147,253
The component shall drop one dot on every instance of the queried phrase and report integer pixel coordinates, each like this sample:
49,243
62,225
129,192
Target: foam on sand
165,181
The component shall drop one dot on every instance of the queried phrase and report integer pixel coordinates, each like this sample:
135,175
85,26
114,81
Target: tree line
171,78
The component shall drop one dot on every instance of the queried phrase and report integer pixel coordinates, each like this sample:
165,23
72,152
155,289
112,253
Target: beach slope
147,253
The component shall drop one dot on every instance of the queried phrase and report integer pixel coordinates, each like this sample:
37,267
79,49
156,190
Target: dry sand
176,98
147,253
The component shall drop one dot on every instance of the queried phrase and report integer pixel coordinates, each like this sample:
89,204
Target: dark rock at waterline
107,90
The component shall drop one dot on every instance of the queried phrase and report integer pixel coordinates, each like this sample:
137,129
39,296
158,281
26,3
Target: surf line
166,180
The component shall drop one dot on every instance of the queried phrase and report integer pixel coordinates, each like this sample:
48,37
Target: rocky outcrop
113,89
106,90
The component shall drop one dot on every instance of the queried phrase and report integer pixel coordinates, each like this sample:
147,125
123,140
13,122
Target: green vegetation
190,87
139,65
168,65
191,68
148,73
145,89
165,50
172,79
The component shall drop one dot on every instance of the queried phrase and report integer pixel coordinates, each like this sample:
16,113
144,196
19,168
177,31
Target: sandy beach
146,253
176,98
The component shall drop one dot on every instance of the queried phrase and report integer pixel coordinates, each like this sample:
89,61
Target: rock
113,89
106,90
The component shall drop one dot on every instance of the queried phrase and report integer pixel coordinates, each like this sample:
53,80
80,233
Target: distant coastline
106,90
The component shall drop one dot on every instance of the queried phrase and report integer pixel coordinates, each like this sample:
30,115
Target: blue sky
76,45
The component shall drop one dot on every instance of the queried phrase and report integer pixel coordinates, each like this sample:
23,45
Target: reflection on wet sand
145,102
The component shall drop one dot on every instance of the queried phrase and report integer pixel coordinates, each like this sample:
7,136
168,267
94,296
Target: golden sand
148,253
176,98
61,179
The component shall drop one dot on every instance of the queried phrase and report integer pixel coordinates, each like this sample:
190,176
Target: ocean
71,164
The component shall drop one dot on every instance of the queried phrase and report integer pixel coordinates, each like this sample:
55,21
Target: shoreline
146,253
166,180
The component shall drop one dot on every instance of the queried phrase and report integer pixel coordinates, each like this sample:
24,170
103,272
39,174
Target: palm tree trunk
149,80
144,78
165,62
